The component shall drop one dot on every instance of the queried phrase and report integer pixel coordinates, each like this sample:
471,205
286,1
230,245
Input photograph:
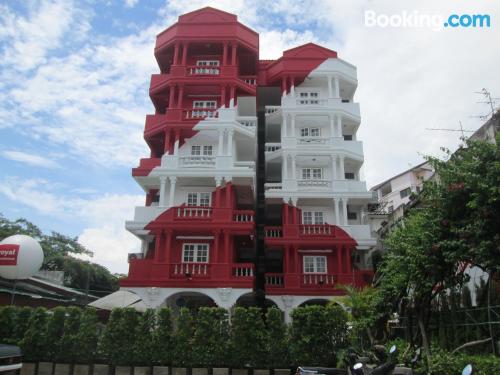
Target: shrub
86,337
109,345
144,338
8,320
22,320
163,339
34,343
445,363
248,338
182,353
211,336
317,334
55,330
277,345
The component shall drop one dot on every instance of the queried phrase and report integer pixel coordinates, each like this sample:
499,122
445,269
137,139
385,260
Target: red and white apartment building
198,227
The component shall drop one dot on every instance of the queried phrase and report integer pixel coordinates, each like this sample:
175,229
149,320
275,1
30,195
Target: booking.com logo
436,22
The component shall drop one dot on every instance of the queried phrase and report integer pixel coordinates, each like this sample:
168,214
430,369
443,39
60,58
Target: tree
144,338
22,321
211,336
182,354
69,344
55,332
8,318
277,344
163,338
86,337
34,343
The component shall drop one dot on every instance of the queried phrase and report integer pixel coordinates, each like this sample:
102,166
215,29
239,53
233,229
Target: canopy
121,298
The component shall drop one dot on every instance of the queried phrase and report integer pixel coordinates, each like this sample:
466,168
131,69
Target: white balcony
193,161
361,233
314,183
336,186
317,105
142,216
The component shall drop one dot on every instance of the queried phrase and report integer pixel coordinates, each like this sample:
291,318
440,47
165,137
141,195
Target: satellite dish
21,257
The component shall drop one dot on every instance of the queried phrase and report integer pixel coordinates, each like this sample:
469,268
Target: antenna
487,100
462,130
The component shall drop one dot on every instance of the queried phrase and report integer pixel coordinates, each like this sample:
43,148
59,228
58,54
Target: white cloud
131,3
30,159
103,217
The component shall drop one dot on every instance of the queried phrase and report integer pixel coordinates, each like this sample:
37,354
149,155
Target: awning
121,298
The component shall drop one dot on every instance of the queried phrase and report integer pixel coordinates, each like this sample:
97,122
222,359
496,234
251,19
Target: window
207,150
349,175
347,137
312,173
352,216
312,217
207,67
314,264
204,108
195,253
196,150
405,192
207,63
199,199
310,132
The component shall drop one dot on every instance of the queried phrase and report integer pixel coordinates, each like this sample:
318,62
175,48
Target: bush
317,334
278,355
86,337
8,320
69,344
182,353
211,336
445,363
22,320
34,343
248,338
144,339
109,345
163,339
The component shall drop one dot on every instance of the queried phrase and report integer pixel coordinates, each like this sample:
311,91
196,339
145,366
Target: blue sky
74,82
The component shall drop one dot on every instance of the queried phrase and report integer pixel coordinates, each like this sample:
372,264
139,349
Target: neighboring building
200,234
396,192
489,130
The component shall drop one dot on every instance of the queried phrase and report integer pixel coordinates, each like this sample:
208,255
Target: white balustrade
320,183
313,141
318,279
197,160
273,186
271,147
193,269
194,212
308,230
270,109
243,271
274,280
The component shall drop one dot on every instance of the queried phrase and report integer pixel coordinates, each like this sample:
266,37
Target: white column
336,207
163,182
294,169
334,167
330,88
337,87
284,131
221,142
344,209
332,125
339,126
293,124
285,167
230,135
173,181
176,147
342,171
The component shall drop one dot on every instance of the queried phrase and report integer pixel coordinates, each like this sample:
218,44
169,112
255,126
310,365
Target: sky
74,80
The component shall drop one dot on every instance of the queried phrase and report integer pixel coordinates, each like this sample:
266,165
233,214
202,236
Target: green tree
22,321
55,332
211,336
110,343
34,343
163,338
144,338
248,337
8,320
182,353
69,344
278,343
318,334
86,337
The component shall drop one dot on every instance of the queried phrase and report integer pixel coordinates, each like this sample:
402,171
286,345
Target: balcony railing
243,216
190,270
316,229
273,232
196,161
273,185
250,80
200,113
271,147
275,280
243,270
320,183
248,122
270,109
313,141
312,102
193,212
316,279
203,70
